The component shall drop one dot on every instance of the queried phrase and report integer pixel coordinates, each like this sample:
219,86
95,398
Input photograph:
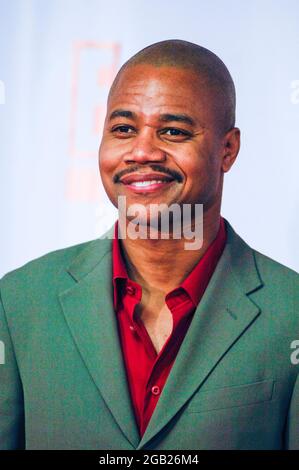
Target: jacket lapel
88,309
222,316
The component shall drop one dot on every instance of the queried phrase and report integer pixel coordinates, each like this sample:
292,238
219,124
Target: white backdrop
57,59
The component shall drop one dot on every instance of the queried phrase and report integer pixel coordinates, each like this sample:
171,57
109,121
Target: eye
123,130
172,133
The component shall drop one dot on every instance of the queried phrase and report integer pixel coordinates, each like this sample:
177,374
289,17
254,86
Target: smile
148,186
147,182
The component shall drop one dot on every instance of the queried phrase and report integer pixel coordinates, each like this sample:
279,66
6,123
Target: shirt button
155,390
132,328
130,290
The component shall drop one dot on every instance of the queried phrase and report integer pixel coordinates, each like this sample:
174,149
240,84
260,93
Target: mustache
154,167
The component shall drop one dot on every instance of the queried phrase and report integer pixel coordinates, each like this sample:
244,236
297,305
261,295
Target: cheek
106,171
104,165
193,166
201,170
107,162
187,160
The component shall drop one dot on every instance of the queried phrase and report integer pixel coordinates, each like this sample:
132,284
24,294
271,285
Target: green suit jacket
232,386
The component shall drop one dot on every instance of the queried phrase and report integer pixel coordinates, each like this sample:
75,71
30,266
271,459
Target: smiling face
162,141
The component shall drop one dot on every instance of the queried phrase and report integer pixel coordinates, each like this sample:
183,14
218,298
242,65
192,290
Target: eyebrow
122,113
167,117
178,118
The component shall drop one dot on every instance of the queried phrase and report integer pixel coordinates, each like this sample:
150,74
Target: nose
144,148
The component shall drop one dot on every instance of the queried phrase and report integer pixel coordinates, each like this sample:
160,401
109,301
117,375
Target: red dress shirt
146,370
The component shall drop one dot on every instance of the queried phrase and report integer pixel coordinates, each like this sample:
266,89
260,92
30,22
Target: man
139,343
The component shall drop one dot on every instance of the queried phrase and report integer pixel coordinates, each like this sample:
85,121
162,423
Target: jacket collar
223,315
240,255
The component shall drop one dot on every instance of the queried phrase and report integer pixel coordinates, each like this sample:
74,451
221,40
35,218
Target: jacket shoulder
52,260
280,287
46,272
274,269
57,261
254,268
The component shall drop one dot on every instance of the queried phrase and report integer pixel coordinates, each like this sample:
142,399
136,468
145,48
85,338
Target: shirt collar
196,281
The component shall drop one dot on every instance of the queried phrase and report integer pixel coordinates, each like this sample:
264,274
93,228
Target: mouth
147,183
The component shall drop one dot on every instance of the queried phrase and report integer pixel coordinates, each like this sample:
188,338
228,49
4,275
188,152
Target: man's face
160,142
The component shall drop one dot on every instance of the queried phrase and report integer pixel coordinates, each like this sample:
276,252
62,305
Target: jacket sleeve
292,430
12,434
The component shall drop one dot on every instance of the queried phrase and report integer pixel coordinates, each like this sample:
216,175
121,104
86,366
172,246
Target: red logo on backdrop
95,65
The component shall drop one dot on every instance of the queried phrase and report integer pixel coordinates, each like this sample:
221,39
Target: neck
160,265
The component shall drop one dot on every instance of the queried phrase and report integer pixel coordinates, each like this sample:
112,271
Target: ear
231,148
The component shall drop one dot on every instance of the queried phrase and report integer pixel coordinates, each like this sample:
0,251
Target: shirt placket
163,362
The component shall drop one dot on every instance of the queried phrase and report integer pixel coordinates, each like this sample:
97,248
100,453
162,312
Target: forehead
152,89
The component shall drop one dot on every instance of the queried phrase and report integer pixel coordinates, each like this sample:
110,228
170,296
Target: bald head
211,71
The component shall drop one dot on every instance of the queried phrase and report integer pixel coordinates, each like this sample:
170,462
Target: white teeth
146,183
